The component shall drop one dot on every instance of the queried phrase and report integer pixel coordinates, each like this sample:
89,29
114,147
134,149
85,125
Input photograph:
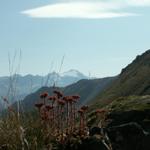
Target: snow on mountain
30,83
73,73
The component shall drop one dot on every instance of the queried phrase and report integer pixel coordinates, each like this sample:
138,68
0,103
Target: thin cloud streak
87,10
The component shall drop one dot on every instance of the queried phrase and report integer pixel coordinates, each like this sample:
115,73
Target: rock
92,143
129,136
123,117
146,142
94,130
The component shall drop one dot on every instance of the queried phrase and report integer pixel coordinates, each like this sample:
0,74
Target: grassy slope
133,80
138,103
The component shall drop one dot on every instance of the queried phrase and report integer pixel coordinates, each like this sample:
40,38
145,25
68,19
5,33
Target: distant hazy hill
87,89
17,87
30,83
133,80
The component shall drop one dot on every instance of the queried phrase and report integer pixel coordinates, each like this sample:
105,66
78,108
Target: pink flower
84,108
39,105
58,93
75,96
80,111
61,102
44,95
48,107
52,98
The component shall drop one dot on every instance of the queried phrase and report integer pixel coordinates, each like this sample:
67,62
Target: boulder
130,136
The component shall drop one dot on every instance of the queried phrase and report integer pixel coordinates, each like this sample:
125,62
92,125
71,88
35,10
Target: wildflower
102,116
60,112
58,93
84,108
10,109
81,126
52,98
80,111
44,95
65,98
44,114
70,115
61,102
74,100
75,97
39,106
70,99
48,107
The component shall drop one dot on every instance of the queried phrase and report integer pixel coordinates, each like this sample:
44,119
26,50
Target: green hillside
133,80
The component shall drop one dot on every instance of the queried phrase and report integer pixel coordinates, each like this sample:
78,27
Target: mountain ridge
133,80
18,86
87,89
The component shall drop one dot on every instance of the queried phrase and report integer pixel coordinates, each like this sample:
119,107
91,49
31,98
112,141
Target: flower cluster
60,115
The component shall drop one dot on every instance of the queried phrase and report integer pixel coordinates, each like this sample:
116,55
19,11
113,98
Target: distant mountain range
17,87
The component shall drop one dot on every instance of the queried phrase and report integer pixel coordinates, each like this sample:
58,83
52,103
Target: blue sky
96,36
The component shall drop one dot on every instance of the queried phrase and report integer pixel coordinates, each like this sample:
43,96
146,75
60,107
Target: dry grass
57,123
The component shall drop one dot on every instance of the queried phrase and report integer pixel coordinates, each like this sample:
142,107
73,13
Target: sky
99,37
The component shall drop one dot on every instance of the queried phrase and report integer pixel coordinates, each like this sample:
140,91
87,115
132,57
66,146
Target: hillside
87,89
133,80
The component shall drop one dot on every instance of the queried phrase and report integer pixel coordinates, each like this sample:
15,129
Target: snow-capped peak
73,73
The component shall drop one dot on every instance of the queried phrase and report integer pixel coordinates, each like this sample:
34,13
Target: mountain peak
73,73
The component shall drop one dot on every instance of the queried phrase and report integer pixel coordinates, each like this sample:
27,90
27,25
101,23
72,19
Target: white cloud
91,9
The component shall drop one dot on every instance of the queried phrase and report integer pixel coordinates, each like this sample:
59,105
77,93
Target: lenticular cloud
83,9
